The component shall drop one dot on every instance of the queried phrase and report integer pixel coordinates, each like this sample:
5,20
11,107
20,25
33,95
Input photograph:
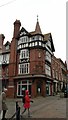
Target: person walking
27,103
4,106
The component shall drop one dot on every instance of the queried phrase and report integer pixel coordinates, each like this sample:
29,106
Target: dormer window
7,47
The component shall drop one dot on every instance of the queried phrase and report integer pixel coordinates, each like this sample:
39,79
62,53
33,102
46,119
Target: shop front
36,87
55,86
48,88
22,86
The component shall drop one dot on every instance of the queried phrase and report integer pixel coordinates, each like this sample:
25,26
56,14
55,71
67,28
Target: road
42,107
51,108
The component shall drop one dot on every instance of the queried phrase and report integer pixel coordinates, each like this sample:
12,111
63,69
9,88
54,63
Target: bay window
48,56
47,70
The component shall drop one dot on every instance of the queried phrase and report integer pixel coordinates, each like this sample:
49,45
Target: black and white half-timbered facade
34,53
30,63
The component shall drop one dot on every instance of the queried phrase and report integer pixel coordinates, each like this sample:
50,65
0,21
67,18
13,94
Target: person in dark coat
4,106
27,103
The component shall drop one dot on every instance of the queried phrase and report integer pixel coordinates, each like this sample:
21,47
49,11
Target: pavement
42,107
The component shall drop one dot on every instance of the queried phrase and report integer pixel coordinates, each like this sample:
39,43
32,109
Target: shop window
22,86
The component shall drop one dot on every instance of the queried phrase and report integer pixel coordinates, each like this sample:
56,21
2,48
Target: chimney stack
2,37
17,25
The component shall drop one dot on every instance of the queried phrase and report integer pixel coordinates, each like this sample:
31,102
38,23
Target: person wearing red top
27,102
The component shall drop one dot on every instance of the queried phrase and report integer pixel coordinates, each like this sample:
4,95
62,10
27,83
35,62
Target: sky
51,17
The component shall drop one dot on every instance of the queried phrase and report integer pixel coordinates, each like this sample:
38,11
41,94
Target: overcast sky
51,16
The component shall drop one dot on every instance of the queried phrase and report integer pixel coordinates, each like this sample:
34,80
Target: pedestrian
4,106
27,103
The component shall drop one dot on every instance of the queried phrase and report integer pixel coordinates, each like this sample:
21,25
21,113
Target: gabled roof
21,31
47,37
7,43
3,49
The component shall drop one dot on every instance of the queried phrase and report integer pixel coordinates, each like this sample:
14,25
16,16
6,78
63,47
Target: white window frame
7,58
32,43
23,68
23,39
24,53
48,56
36,43
38,37
27,83
40,44
49,43
4,58
47,70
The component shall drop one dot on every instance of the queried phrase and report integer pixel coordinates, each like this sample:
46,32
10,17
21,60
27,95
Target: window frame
23,68
47,70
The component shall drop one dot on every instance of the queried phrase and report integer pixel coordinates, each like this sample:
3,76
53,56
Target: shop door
39,88
47,90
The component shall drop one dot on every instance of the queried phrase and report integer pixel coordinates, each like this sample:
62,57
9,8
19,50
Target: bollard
17,111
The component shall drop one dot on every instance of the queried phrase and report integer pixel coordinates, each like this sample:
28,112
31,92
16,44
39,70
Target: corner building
30,62
31,54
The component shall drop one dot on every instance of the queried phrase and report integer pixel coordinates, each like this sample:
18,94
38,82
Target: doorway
39,88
